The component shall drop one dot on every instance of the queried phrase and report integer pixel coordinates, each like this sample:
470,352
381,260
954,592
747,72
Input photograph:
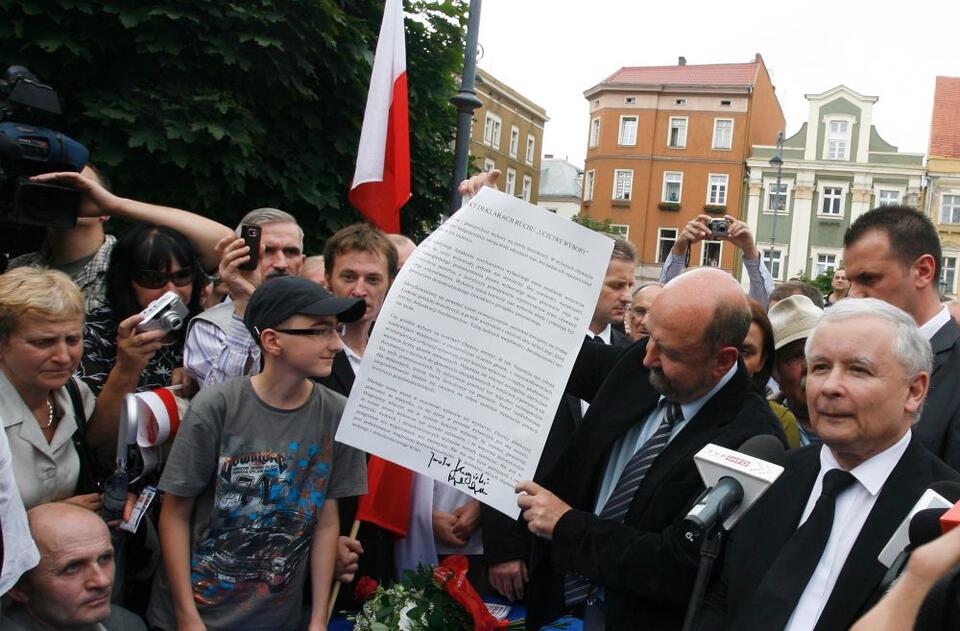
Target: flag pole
336,584
466,101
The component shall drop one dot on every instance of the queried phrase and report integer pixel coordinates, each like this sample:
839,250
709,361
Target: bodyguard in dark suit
627,477
506,542
805,556
893,253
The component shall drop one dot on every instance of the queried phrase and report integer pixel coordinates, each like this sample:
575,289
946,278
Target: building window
888,198
777,199
677,137
510,188
514,141
489,165
710,253
773,259
950,209
838,140
680,102
622,184
595,132
630,100
628,130
531,147
527,187
832,201
620,230
723,133
717,191
672,187
823,263
725,102
666,237
588,185
948,276
491,131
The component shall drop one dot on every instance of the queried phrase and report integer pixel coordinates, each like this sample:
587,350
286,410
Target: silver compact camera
718,227
166,313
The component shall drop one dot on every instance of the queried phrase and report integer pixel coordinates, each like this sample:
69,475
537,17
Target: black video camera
28,149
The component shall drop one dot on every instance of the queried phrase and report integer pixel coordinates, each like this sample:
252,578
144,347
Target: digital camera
718,227
166,313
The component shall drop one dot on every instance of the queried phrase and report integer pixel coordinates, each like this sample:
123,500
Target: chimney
682,61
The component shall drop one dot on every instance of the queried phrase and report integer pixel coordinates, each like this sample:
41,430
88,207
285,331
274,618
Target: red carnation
365,589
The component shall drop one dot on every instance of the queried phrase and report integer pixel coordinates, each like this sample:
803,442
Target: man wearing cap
253,476
792,320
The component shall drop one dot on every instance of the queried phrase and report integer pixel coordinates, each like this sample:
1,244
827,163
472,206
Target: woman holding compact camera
45,410
122,353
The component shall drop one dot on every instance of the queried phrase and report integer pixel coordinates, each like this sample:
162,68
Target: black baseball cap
283,297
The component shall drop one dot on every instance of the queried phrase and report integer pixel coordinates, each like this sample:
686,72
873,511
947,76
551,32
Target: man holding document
607,546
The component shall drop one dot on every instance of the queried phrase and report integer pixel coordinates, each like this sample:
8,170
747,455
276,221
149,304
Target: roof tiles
945,125
708,74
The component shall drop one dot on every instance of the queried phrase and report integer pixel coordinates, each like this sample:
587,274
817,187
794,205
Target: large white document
474,345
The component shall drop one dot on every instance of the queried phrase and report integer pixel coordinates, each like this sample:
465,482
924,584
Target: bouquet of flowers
429,599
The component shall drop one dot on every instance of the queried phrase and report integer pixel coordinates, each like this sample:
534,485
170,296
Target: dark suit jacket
506,539
377,558
939,425
758,538
646,573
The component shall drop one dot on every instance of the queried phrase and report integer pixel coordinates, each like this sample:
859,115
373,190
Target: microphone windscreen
925,526
766,447
949,490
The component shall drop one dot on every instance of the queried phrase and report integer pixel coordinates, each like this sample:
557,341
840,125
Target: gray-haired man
218,346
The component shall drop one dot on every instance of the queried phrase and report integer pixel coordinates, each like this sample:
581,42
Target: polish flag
381,182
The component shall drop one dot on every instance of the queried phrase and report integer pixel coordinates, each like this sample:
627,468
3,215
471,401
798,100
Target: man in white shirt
805,556
893,253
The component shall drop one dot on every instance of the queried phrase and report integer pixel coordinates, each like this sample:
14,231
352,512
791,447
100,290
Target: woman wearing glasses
147,262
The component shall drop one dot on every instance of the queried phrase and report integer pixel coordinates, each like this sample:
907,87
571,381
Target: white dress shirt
853,506
929,328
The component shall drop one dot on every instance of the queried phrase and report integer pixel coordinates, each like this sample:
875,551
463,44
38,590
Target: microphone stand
709,550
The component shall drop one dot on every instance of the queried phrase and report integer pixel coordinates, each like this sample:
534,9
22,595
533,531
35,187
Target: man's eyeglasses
154,279
320,331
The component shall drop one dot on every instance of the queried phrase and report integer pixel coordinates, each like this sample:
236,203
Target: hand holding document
474,346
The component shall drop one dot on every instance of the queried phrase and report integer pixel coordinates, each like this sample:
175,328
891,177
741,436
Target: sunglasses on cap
153,279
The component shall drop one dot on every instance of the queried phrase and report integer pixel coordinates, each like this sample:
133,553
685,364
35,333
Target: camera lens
171,321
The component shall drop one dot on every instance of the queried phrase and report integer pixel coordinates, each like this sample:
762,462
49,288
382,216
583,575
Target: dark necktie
577,588
596,339
779,592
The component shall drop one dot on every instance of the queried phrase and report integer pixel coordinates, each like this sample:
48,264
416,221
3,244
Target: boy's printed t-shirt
260,476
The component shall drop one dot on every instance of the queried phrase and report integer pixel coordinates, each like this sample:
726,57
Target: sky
551,51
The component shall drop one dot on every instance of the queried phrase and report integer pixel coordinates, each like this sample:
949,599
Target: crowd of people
252,524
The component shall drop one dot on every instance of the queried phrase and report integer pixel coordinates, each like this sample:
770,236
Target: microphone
735,481
924,527
939,495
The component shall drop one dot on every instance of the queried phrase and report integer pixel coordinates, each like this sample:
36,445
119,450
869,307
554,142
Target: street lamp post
466,101
776,161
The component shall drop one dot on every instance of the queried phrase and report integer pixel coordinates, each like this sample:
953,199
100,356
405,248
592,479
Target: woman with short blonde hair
41,342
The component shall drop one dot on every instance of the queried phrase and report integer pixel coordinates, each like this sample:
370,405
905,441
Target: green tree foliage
221,107
822,281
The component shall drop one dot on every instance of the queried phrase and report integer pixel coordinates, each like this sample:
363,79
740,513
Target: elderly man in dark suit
506,542
893,253
627,477
805,556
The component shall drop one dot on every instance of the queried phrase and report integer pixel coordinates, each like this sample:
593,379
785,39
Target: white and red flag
381,182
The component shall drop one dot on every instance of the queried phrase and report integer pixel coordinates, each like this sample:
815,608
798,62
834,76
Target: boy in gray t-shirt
253,476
